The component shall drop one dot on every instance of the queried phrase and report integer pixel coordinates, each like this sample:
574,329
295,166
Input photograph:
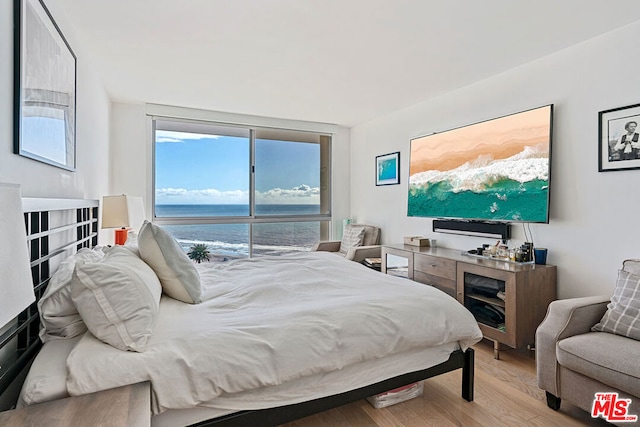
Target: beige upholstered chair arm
358,254
564,318
329,246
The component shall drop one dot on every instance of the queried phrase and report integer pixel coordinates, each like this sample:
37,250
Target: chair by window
359,241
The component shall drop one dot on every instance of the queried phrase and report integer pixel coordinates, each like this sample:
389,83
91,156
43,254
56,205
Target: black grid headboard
56,228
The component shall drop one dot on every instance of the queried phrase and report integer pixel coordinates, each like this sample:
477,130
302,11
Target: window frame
252,218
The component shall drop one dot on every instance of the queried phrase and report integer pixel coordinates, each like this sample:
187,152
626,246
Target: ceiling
333,61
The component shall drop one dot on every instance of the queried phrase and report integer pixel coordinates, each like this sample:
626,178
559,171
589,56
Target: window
241,190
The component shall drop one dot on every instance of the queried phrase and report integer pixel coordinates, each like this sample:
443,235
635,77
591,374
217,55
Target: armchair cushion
358,254
327,245
371,235
623,312
353,236
590,355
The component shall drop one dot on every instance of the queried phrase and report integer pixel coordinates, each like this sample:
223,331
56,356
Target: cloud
302,194
172,136
205,196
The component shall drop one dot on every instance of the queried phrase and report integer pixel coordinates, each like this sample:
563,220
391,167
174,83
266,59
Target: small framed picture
388,169
619,144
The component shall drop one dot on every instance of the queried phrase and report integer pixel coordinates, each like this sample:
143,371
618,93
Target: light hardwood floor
505,395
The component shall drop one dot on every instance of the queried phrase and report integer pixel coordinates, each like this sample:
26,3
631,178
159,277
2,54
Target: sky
206,169
45,137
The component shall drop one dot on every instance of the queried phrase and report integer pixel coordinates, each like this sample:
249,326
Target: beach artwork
388,169
494,170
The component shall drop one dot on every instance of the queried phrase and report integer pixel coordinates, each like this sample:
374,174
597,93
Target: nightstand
126,406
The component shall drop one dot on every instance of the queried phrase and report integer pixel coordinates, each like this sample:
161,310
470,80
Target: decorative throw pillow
118,298
352,237
58,314
623,312
632,266
179,277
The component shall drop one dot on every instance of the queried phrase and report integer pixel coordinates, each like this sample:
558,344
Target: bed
267,340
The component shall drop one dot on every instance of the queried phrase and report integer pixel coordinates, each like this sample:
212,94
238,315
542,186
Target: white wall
594,216
92,121
131,151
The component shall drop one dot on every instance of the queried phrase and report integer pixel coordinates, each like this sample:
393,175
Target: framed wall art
44,88
619,140
388,169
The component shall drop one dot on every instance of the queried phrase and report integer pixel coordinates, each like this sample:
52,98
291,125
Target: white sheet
271,320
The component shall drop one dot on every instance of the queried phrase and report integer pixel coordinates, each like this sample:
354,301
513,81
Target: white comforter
270,320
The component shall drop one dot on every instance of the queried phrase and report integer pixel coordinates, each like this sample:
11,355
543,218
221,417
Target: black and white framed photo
388,169
619,144
44,88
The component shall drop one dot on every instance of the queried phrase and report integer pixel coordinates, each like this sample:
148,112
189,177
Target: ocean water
232,240
513,189
504,200
388,169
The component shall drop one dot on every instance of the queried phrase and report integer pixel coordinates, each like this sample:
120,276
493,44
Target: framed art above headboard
56,228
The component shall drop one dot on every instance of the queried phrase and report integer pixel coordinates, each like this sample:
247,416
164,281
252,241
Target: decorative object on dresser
540,255
508,299
590,345
45,88
122,213
417,241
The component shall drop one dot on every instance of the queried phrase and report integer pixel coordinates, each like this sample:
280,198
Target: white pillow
118,299
58,314
179,277
132,242
352,237
47,376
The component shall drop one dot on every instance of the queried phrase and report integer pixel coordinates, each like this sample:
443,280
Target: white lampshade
16,283
122,212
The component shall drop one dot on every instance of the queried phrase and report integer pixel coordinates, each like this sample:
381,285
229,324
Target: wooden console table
528,288
128,406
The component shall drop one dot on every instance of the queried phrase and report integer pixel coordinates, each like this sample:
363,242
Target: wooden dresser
527,288
128,406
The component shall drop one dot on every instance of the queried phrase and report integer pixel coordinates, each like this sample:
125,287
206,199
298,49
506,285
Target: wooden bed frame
21,339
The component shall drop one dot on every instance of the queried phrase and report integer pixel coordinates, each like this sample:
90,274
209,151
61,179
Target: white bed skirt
309,388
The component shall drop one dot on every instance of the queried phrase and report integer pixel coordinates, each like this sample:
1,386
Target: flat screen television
496,170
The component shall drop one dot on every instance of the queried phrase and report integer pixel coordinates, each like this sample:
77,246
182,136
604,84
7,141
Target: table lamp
16,283
122,213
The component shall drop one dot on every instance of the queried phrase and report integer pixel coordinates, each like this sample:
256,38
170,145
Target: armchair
573,362
368,248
